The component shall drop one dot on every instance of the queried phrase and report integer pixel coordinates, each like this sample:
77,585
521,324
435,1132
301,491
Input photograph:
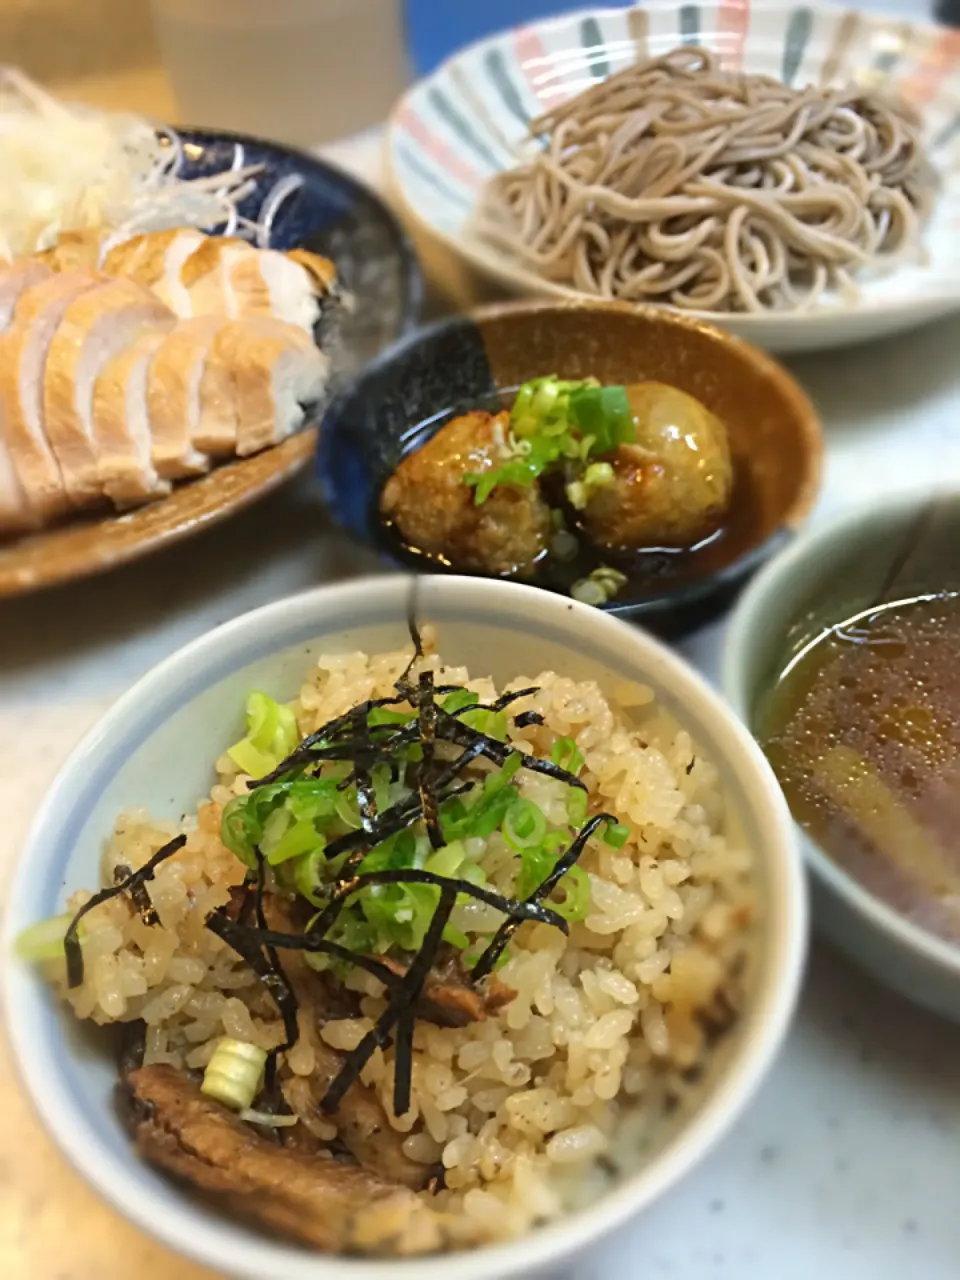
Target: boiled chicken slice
216,429
13,280
95,327
74,251
121,424
206,275
156,260
277,369
23,356
263,282
173,396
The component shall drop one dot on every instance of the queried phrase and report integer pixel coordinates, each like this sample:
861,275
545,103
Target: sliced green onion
347,809
509,770
577,806
239,829
250,759
377,717
298,839
566,755
524,825
446,861
263,721
234,1073
455,938
599,475
459,700
616,835
576,895
43,940
492,723
308,876
604,413
271,734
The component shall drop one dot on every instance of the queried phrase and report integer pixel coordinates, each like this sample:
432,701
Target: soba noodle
674,181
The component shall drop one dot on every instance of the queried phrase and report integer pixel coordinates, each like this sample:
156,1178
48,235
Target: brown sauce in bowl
863,732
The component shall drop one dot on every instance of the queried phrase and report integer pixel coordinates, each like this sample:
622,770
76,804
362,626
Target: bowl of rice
628,1010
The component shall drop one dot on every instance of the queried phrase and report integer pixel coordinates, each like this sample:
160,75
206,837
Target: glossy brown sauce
650,572
863,732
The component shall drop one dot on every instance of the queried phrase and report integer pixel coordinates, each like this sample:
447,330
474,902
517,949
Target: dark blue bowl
333,214
463,362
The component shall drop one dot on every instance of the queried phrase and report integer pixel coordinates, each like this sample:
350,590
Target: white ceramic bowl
821,579
464,122
156,747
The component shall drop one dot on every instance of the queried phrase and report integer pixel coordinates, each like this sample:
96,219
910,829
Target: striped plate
465,122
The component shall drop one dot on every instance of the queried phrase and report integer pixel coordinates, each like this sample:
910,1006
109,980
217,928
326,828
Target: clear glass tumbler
298,71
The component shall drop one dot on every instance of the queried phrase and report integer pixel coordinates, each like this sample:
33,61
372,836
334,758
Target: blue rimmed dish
465,362
330,213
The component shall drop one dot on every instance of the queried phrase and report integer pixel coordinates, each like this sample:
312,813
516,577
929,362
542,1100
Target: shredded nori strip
403,1062
138,895
509,927
427,724
71,940
449,728
246,939
280,987
527,718
528,910
397,818
403,999
349,737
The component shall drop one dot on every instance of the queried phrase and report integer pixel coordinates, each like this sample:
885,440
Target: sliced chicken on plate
208,274
216,429
24,349
266,283
121,424
277,369
74,251
13,280
95,327
198,275
173,396
156,260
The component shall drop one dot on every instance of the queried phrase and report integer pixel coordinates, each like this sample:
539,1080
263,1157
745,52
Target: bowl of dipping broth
842,659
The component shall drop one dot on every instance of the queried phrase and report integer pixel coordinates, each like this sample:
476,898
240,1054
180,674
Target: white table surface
846,1165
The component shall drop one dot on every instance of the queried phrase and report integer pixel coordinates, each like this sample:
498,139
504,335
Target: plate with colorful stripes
470,120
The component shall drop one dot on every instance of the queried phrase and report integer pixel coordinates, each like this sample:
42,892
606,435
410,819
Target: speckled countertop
846,1163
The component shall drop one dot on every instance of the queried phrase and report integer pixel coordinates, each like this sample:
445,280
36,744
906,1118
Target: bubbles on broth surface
863,732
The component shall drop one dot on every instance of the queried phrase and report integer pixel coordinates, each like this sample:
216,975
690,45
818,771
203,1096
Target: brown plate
95,544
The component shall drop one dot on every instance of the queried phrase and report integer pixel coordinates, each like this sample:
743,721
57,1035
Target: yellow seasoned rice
520,1108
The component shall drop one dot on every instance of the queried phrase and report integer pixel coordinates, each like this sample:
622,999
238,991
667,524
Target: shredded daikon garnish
73,168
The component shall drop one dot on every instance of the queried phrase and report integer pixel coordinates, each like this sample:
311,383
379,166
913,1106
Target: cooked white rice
606,1024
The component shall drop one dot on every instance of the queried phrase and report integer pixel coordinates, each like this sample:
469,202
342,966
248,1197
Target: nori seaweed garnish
71,940
509,927
402,1000
427,725
138,895
527,718
350,737
280,986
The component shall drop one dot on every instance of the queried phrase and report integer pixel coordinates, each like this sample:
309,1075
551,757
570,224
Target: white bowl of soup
841,658
726,883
